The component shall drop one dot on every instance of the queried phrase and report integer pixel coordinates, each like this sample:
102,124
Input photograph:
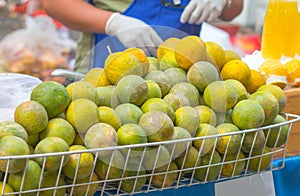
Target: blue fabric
287,180
160,14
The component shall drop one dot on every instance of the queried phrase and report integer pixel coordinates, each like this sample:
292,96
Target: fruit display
193,112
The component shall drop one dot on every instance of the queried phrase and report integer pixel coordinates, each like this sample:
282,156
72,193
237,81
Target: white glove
133,32
198,11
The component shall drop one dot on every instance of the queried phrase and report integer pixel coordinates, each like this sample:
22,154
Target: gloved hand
198,11
133,32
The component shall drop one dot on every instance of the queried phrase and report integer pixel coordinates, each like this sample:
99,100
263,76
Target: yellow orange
96,77
141,56
257,80
238,70
275,72
293,70
167,46
190,50
231,55
120,64
216,52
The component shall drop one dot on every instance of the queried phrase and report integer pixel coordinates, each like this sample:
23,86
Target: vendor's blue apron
160,14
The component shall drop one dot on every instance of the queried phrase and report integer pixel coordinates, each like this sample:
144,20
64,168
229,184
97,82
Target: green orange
82,163
176,75
161,79
129,113
167,178
132,89
262,162
157,104
269,103
52,145
53,96
101,135
13,146
60,128
31,178
205,146
82,90
156,157
234,168
231,143
248,114
277,134
32,116
153,90
109,116
220,96
110,166
13,128
81,114
207,160
277,92
189,159
187,90
206,115
201,74
157,125
177,148
187,117
131,134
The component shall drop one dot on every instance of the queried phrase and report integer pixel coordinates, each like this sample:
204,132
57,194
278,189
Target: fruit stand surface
293,106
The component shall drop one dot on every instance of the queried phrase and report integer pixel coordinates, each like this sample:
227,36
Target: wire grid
184,176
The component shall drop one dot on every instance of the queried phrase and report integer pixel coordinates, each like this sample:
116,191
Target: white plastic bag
36,50
14,90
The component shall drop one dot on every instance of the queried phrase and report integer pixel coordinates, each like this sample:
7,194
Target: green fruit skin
277,132
31,180
10,146
84,163
51,145
53,96
12,128
213,172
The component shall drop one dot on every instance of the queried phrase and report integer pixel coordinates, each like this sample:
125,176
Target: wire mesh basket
142,168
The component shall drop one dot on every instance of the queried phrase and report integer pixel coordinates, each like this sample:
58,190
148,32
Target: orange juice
298,36
290,27
270,46
279,36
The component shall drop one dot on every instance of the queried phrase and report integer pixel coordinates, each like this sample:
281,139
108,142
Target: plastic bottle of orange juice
270,46
279,36
298,36
290,28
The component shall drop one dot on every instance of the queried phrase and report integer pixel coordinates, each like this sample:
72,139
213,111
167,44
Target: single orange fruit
238,70
257,80
293,70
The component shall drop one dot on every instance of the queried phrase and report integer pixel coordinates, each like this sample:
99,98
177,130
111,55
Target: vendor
128,22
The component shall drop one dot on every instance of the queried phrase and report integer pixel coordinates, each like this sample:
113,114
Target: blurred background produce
33,43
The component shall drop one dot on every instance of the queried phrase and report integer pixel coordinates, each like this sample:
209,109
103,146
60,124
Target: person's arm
229,13
78,15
